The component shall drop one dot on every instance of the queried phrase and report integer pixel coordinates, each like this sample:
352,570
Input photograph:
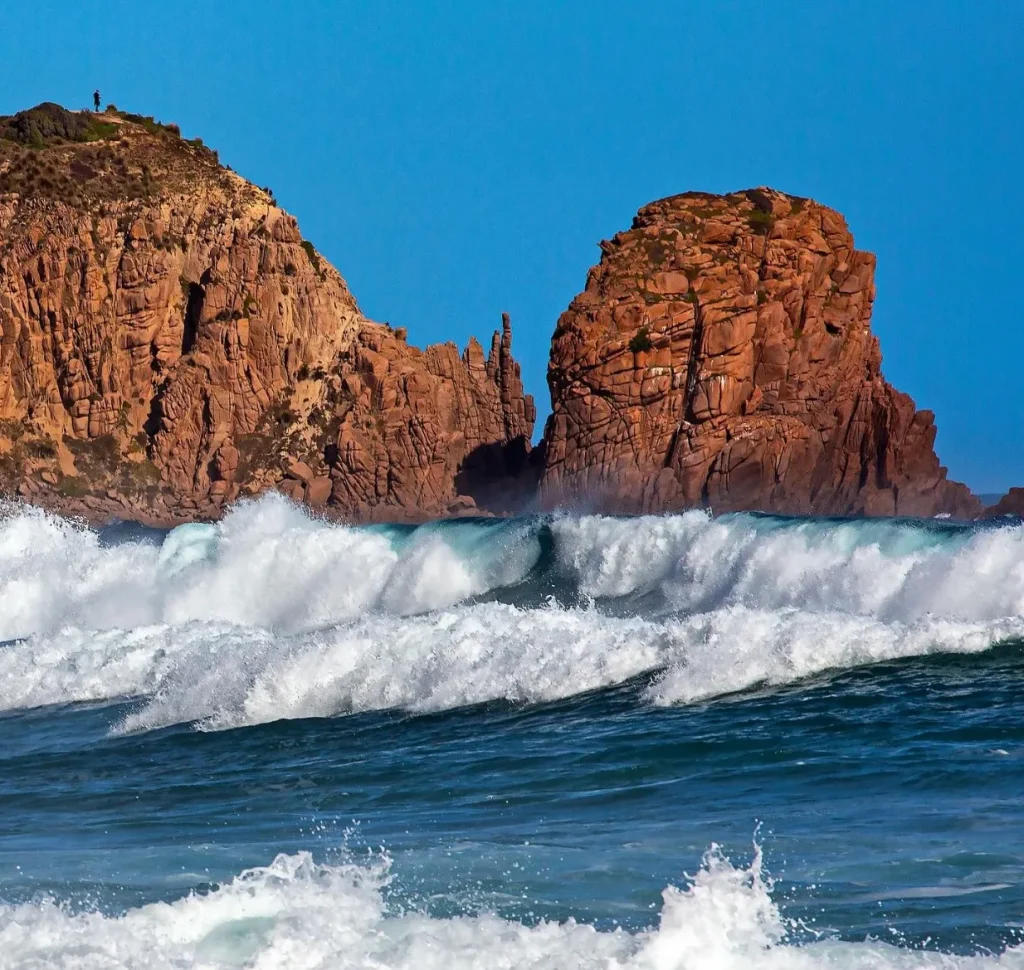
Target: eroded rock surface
170,342
721,354
430,431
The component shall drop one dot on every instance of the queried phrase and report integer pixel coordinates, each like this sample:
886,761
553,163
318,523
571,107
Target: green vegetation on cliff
80,157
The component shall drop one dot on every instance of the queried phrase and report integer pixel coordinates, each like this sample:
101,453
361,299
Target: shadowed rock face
1012,503
721,354
431,432
170,343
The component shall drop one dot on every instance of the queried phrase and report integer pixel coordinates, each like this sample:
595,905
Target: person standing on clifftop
96,98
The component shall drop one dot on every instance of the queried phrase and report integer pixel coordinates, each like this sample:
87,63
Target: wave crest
272,614
297,913
220,676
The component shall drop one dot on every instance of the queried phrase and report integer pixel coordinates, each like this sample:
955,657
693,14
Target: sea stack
721,355
171,343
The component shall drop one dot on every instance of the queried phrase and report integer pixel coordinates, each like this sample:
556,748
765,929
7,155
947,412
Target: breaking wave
223,676
272,614
297,913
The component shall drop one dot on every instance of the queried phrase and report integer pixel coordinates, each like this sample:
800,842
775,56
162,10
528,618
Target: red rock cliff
429,431
170,342
721,354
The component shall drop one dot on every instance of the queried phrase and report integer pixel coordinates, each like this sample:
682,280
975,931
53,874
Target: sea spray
890,568
298,913
273,614
268,564
221,675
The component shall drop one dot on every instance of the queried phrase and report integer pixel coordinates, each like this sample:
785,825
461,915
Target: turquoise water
554,742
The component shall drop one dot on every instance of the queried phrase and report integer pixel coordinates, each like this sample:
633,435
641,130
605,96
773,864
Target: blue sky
459,159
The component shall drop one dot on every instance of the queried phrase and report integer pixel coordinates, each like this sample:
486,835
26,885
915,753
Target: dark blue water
885,797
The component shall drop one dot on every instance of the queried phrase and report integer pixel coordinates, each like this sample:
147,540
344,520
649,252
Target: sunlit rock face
721,354
170,343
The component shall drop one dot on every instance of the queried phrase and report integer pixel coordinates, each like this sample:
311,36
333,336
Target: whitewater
295,913
541,725
272,614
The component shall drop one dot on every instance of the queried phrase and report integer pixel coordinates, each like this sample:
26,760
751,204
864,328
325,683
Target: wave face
296,913
272,614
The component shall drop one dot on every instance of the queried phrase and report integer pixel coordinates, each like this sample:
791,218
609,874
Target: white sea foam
885,568
735,648
265,564
220,675
298,914
271,614
268,564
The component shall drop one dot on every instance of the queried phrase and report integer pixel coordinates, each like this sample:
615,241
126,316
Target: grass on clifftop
81,157
49,124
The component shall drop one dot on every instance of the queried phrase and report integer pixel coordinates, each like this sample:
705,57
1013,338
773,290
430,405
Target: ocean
667,742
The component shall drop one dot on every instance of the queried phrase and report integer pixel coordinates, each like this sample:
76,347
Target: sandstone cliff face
170,342
721,354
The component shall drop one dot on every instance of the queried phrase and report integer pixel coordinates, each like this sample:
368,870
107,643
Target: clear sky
456,159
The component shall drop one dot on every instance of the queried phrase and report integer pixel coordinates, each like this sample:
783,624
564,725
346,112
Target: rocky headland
171,343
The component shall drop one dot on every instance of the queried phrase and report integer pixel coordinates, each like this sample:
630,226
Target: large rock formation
170,342
427,433
721,354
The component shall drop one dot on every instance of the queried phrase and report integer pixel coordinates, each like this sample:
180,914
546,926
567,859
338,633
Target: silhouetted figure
96,98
